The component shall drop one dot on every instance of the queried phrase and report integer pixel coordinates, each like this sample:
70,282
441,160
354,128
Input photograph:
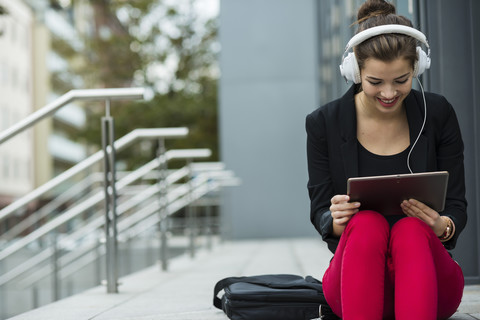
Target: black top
371,164
333,155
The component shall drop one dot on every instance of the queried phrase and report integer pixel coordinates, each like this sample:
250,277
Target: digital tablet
385,193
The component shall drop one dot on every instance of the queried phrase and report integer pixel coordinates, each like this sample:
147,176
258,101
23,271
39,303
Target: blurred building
279,61
55,38
34,71
16,99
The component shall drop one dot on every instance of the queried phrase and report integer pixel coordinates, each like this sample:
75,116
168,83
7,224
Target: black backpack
272,297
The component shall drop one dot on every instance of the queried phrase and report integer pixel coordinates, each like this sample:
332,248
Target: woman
384,267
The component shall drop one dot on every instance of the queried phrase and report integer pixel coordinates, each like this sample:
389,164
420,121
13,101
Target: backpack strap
217,302
222,284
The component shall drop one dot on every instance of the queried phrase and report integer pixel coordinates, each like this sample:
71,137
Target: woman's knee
368,219
410,231
411,226
369,227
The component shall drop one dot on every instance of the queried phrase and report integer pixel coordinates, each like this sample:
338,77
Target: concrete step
186,290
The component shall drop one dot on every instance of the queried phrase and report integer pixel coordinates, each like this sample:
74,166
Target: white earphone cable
421,129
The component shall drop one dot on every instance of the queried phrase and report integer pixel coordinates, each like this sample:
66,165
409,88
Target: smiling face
386,84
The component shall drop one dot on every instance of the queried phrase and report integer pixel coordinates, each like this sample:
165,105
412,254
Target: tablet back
385,193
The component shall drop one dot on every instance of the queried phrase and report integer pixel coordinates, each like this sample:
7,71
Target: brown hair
384,47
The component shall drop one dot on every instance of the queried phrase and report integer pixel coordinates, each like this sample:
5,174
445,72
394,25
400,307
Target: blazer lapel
350,157
348,132
415,113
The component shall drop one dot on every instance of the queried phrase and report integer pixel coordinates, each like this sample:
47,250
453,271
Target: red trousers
399,273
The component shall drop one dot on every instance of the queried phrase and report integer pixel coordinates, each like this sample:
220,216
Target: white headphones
349,67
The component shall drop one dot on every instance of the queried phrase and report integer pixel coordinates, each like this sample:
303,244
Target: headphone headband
349,67
384,29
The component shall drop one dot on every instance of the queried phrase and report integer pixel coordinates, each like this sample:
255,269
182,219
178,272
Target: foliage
166,48
3,11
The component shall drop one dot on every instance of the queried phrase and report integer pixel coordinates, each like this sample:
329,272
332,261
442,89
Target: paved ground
186,291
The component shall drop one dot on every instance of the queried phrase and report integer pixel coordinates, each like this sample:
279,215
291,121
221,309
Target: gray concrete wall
453,32
268,85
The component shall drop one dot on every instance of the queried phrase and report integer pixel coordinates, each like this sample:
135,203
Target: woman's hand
414,208
342,211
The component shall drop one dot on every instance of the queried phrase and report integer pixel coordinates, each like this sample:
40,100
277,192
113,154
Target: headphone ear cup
422,63
349,68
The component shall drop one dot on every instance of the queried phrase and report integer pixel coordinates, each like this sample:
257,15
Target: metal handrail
85,94
120,144
97,198
133,224
93,225
52,207
206,177
140,208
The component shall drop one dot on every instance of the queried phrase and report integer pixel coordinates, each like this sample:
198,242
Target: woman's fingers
339,198
342,217
342,210
414,208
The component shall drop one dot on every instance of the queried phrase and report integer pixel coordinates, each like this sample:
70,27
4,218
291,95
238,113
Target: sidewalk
186,291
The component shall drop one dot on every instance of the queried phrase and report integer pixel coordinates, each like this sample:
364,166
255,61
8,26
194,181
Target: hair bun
373,8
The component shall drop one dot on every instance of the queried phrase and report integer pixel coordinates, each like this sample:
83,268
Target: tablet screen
384,194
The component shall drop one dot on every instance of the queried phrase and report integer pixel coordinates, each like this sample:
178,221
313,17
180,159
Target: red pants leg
354,282
371,262
428,282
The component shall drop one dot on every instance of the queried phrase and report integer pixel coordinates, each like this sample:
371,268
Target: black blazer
332,154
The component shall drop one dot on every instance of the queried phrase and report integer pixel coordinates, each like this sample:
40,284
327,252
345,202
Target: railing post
98,262
3,292
209,222
127,261
190,211
152,249
223,229
108,138
35,299
55,268
163,202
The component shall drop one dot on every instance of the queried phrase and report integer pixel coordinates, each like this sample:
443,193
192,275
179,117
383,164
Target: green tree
167,48
3,11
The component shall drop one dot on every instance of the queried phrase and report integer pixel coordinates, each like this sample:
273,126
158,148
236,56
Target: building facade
279,61
55,33
16,99
32,74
